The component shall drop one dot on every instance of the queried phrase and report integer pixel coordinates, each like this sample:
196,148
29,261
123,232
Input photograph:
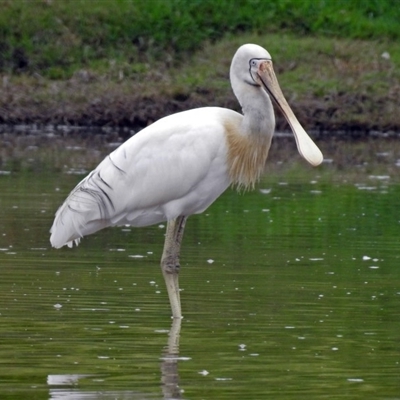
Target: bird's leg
170,262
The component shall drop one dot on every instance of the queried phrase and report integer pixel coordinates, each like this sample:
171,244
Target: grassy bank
331,84
128,63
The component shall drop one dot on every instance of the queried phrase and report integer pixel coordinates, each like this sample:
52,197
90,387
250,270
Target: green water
291,291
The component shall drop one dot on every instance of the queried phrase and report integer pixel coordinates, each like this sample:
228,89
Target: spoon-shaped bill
306,147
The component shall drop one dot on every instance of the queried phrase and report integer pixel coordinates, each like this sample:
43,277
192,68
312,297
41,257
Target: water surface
290,291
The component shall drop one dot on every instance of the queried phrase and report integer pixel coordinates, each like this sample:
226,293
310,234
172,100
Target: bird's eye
253,63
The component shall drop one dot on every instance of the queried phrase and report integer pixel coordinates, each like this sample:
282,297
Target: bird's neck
258,115
249,142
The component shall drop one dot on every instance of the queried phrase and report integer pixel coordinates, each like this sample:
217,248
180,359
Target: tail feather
86,210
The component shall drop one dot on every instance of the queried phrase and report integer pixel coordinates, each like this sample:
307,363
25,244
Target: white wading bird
180,164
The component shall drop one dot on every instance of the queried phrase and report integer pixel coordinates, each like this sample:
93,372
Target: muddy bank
345,112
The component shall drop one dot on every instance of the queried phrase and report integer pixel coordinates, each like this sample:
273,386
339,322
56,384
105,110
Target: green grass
57,37
331,83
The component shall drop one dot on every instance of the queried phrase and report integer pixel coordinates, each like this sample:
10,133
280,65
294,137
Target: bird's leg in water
170,262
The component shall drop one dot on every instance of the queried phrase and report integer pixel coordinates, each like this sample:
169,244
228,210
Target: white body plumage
176,166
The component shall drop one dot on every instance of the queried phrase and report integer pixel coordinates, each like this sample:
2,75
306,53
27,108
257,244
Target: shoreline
332,86
130,116
125,132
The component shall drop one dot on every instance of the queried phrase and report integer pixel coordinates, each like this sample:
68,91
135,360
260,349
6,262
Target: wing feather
176,166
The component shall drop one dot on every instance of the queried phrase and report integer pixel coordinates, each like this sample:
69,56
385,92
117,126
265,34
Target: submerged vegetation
129,62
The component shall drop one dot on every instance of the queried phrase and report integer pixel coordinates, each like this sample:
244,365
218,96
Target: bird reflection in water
169,377
169,364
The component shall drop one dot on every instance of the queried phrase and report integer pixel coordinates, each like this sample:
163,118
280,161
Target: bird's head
252,65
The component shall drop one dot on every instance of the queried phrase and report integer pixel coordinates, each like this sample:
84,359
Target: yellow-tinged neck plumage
247,155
